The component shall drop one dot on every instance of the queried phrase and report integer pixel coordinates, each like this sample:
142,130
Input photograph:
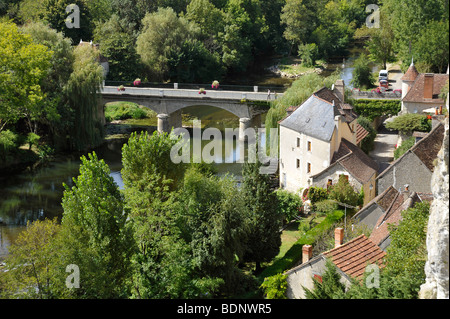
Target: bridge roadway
168,103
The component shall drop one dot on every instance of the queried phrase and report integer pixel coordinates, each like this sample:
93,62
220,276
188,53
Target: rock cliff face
437,265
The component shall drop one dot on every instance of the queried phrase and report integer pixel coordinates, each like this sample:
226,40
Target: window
329,183
309,146
298,141
298,163
308,168
345,176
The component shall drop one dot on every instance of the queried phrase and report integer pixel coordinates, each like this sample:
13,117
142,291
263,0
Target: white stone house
311,134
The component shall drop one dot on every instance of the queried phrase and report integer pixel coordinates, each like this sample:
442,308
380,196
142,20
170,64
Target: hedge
375,108
293,255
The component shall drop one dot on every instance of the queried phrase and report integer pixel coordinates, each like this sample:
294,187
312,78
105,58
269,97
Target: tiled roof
415,93
353,256
361,133
393,216
355,161
411,74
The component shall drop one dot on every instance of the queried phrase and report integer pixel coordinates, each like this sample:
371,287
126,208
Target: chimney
307,253
339,90
428,86
338,237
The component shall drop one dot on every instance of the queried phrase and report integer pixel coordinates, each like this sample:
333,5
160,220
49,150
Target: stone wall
437,265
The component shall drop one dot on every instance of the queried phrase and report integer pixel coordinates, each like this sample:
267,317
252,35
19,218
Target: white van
383,75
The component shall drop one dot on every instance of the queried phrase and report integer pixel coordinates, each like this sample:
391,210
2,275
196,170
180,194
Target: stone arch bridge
168,103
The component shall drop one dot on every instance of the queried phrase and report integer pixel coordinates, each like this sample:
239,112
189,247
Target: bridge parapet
194,94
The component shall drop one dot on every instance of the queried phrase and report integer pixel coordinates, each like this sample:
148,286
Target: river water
37,194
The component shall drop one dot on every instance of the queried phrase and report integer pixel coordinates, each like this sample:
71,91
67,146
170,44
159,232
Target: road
384,147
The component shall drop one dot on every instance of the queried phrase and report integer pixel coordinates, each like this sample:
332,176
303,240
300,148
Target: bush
124,110
317,194
326,206
406,145
275,287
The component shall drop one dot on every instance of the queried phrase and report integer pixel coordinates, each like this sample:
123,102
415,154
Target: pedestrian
268,94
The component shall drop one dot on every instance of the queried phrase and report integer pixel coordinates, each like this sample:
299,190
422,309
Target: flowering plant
137,82
215,84
121,88
202,91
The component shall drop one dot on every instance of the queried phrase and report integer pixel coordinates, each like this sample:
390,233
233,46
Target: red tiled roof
392,216
416,92
361,133
411,74
353,256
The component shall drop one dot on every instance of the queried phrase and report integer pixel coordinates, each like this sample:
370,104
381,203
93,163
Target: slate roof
415,93
353,256
315,117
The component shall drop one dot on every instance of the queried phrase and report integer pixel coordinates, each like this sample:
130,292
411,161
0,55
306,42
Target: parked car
383,75
384,84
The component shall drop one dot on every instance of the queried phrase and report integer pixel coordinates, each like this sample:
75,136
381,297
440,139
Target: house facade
310,136
359,169
350,259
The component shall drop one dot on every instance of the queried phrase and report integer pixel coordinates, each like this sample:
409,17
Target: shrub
124,110
308,53
362,73
367,143
326,206
372,109
317,194
275,287
406,145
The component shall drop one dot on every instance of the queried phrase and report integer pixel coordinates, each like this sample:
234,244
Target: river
37,194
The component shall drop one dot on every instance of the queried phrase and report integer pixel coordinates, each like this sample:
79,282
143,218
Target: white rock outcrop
437,265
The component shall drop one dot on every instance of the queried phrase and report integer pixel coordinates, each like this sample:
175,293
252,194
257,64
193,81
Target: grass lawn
293,66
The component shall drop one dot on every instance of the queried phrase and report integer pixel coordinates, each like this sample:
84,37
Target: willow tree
82,90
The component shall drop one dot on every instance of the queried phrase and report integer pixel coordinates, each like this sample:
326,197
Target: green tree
308,53
329,287
24,66
31,262
117,40
55,15
362,73
163,32
55,83
299,20
84,84
343,192
367,143
95,233
431,50
289,204
264,221
213,223
407,123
